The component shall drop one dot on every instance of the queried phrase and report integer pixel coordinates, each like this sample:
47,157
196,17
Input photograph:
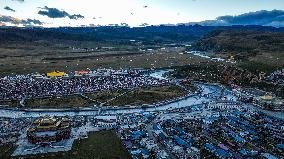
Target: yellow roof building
56,74
267,97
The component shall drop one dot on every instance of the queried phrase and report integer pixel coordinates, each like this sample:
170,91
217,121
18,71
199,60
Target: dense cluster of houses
214,131
221,128
10,129
224,105
277,77
201,131
29,86
132,129
264,99
237,134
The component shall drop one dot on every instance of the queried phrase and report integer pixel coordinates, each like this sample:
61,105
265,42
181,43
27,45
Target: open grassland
14,103
149,95
59,102
28,50
103,96
72,101
29,59
6,151
99,145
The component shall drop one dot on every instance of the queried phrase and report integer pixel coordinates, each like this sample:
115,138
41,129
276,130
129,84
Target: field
71,101
149,95
6,151
44,59
103,145
41,50
59,102
27,51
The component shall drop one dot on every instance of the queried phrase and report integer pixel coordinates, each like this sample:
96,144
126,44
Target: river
205,55
208,93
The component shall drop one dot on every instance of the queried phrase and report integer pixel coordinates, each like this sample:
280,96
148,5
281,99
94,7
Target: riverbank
207,92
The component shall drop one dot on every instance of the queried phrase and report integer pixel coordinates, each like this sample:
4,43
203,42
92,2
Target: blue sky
133,12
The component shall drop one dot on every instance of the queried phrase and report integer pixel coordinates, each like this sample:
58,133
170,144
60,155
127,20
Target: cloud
53,12
263,17
56,13
8,19
31,21
144,24
2,24
19,0
76,16
9,9
259,18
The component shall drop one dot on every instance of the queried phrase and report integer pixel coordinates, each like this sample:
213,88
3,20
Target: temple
48,129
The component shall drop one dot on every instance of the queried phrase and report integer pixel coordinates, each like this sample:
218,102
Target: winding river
208,93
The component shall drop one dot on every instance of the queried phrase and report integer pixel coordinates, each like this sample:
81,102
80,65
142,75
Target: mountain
241,42
273,18
120,35
254,50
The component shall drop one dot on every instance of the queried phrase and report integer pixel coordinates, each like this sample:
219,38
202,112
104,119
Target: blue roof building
210,147
222,153
239,139
181,142
156,127
145,152
137,134
244,152
268,156
280,146
162,136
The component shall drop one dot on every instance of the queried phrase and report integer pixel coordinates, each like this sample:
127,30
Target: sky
54,13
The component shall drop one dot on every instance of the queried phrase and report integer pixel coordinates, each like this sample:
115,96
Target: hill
120,34
251,48
26,50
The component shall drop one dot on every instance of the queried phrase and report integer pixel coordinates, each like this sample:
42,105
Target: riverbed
207,93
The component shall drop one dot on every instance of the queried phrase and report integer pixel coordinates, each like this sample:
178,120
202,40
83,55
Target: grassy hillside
236,41
228,74
253,48
26,50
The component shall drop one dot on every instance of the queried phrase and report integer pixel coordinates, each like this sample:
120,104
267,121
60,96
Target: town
141,79
212,122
